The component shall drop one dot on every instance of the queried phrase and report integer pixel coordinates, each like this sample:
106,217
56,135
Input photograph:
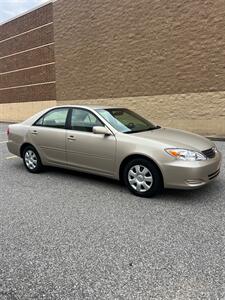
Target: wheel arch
23,146
137,156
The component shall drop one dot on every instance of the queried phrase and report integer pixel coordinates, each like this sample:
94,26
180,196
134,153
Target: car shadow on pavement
84,176
204,194
201,195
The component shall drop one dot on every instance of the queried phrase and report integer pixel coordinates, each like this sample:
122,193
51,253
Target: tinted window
55,118
84,120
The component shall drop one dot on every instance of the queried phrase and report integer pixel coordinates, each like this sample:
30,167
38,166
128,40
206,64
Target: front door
86,150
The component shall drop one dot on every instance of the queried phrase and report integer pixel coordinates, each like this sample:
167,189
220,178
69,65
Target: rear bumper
191,175
13,148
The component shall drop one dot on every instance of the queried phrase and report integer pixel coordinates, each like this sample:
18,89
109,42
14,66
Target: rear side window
55,118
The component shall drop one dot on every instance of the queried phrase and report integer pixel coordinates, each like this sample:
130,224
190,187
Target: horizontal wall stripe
33,93
33,39
25,32
27,77
24,51
28,85
24,60
28,68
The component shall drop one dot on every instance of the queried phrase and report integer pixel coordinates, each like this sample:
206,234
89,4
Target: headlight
215,149
184,154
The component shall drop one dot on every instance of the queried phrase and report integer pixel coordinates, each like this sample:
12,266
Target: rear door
86,150
48,135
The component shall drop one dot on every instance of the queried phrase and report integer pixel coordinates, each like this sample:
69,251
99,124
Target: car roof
90,106
33,118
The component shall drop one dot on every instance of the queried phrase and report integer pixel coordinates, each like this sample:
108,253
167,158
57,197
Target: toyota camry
116,143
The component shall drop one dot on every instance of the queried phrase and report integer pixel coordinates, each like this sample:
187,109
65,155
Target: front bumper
190,175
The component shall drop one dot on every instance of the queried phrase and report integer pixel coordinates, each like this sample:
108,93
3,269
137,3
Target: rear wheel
143,178
32,160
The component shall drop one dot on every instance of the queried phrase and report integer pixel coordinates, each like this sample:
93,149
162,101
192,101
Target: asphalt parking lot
66,235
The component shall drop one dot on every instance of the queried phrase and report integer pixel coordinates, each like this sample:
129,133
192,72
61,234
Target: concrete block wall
163,58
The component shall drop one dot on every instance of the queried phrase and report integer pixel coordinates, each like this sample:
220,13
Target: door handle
34,132
71,138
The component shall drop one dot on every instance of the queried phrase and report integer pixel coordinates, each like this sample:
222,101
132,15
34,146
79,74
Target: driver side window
84,120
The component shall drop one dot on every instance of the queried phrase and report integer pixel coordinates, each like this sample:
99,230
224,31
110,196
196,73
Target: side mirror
101,130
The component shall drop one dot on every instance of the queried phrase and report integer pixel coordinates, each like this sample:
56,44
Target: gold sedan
116,143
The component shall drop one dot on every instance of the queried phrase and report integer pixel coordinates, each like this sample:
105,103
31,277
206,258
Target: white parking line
4,142
11,157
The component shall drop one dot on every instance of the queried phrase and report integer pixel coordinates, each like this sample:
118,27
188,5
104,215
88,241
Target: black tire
37,166
153,178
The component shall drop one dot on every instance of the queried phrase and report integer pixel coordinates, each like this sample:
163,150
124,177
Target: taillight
7,131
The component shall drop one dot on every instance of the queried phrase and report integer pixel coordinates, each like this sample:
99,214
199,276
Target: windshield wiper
156,127
142,130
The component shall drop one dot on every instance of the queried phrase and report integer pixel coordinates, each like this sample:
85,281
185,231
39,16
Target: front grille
209,153
213,175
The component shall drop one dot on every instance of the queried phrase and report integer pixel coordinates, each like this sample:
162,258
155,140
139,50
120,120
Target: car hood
177,138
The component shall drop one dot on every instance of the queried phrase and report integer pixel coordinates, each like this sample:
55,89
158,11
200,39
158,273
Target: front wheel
143,178
32,160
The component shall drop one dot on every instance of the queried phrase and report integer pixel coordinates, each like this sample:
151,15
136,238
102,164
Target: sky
11,8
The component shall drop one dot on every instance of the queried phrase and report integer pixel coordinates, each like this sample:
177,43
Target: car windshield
126,121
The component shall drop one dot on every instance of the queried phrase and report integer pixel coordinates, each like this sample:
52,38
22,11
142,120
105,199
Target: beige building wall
178,110
164,59
16,112
184,111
